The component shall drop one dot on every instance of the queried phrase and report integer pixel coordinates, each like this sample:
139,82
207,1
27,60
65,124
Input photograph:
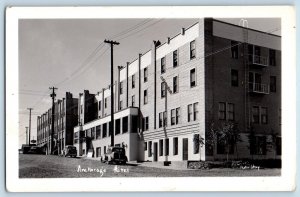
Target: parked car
70,151
114,155
35,150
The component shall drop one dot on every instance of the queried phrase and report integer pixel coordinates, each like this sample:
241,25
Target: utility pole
111,130
29,123
53,95
26,135
167,89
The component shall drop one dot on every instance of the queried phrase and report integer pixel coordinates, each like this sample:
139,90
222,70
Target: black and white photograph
153,95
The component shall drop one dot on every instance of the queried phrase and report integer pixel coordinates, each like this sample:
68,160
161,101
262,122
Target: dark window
93,133
145,74
133,81
104,150
166,147
161,147
121,87
260,145
234,50
223,148
133,101
146,123
272,57
264,115
272,83
175,58
104,130
145,146
110,128
230,111
121,105
177,115
99,105
193,77
150,149
105,103
163,89
234,78
175,146
195,109
98,151
255,114
175,84
165,119
125,124
160,122
192,49
222,111
145,97
190,112
163,65
118,126
134,125
98,132
173,117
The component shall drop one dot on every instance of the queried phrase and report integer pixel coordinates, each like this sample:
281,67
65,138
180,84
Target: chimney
183,31
168,40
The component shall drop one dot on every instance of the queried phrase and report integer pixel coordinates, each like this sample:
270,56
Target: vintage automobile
70,151
114,154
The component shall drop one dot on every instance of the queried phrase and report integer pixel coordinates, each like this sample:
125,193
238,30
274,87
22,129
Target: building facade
171,98
65,119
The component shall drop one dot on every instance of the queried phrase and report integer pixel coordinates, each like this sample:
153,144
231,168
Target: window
146,123
234,78
98,132
165,119
109,129
175,58
193,77
195,108
145,97
134,120
93,133
177,115
105,103
150,149
104,150
272,57
133,81
125,124
145,146
161,147
163,65
173,117
234,50
230,111
272,83
222,111
260,145
255,114
264,115
190,113
145,74
132,100
175,146
104,130
175,84
121,87
163,90
99,106
192,49
167,147
118,126
121,105
196,141
160,117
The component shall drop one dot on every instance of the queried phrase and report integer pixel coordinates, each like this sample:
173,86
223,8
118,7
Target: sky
70,55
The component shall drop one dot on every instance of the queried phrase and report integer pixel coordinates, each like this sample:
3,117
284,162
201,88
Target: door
185,149
155,151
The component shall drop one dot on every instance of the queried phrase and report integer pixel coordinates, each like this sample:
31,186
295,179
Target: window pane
193,77
222,111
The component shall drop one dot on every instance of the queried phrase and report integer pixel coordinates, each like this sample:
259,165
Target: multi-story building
171,98
65,119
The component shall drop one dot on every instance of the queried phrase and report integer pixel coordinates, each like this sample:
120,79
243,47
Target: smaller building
65,118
